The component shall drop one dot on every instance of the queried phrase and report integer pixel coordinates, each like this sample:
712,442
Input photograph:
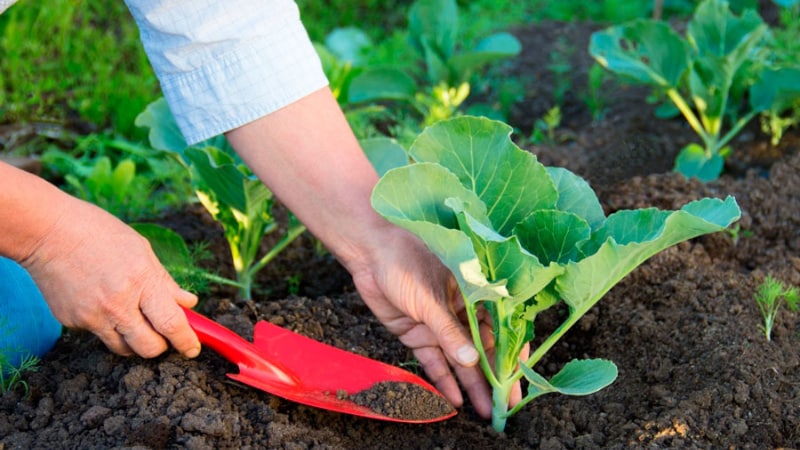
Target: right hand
100,275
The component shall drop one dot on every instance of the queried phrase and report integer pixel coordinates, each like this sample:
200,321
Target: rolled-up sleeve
224,64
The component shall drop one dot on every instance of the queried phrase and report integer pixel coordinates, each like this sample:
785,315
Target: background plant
181,261
521,238
705,75
121,177
233,196
770,297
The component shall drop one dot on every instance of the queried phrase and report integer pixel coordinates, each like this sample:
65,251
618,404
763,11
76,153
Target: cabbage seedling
520,238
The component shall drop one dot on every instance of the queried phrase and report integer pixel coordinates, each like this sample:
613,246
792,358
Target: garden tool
303,370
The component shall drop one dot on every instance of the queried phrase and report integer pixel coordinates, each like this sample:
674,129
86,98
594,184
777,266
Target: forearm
29,208
310,159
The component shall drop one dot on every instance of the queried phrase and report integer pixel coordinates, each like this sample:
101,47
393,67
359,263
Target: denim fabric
27,327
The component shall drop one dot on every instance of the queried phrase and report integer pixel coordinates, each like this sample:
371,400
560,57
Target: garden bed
695,370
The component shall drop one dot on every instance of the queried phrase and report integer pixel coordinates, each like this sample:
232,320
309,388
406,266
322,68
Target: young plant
433,29
119,176
770,297
11,376
235,198
721,59
544,129
521,238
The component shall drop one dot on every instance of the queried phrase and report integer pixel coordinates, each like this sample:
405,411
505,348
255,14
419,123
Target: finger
452,337
186,299
115,342
141,337
169,321
438,371
516,391
477,388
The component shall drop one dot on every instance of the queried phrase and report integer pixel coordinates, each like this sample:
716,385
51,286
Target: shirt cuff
235,70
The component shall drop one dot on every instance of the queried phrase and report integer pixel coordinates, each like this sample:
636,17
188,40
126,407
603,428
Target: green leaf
218,172
348,44
504,259
488,50
640,236
584,377
777,89
577,377
576,196
646,50
121,179
384,153
552,235
164,133
426,214
695,161
715,30
479,151
381,84
433,26
169,246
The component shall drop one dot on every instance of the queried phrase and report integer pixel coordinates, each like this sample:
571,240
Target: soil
695,370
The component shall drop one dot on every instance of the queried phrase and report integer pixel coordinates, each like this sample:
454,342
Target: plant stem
500,397
291,235
709,141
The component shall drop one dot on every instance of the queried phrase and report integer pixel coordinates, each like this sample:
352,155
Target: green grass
62,60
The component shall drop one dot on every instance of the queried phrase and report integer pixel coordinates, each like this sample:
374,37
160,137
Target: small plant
544,129
433,34
770,297
594,98
521,238
561,68
12,376
235,198
721,61
117,176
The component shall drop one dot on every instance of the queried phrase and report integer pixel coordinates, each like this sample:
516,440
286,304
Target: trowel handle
234,348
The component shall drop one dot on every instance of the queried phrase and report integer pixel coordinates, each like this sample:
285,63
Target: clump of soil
405,401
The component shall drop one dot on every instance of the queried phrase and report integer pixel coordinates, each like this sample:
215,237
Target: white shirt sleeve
223,64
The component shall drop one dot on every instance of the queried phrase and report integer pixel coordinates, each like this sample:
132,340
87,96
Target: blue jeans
27,327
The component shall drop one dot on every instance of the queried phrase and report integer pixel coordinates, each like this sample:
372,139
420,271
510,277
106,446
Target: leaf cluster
233,196
521,238
433,34
707,75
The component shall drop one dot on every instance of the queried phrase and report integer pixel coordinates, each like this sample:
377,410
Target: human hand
98,274
414,295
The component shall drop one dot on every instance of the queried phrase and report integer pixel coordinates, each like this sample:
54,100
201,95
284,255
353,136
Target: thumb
185,298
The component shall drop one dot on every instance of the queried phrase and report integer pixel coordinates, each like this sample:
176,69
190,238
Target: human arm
95,272
310,159
264,87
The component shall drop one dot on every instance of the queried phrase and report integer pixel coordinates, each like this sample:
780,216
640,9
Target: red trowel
300,369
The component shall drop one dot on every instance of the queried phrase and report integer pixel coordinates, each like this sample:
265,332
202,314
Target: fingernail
193,352
467,355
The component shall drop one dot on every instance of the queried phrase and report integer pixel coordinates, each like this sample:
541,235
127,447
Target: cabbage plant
521,238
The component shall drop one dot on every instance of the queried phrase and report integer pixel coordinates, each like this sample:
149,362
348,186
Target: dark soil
695,370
